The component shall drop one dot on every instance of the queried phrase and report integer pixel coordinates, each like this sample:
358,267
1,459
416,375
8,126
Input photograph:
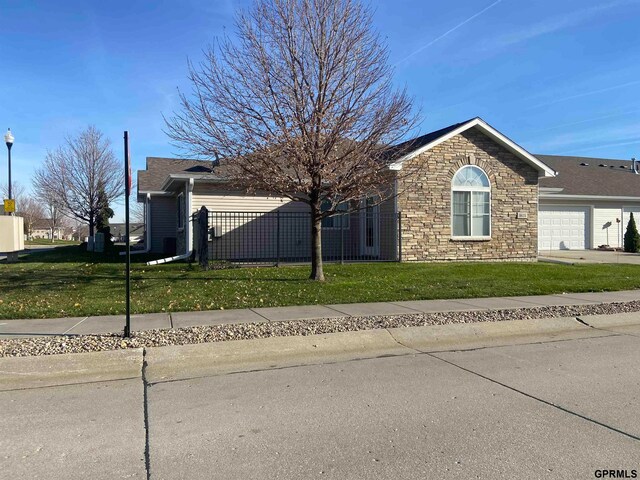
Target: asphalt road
561,409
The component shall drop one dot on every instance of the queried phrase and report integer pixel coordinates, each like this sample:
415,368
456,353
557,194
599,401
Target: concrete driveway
589,256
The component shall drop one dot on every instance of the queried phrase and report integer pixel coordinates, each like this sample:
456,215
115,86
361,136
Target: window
180,210
470,203
339,220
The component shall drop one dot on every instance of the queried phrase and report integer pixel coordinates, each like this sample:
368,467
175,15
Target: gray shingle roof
586,176
158,169
415,143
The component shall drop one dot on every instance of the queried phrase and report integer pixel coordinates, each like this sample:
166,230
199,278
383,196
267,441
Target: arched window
470,203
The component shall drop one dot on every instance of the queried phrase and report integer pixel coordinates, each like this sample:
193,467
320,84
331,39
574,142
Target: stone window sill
470,239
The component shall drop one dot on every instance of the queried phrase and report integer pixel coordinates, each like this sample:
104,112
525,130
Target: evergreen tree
104,213
632,237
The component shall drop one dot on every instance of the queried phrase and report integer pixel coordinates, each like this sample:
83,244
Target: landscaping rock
244,331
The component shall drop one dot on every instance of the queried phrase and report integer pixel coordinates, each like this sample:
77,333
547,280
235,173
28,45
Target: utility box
11,234
98,243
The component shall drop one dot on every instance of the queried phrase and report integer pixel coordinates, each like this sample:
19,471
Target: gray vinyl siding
252,236
224,201
247,233
163,221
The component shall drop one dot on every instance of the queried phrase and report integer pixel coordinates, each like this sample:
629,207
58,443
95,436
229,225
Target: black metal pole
399,237
127,173
342,240
278,238
9,145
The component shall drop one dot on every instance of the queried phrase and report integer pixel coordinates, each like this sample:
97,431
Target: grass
69,282
46,241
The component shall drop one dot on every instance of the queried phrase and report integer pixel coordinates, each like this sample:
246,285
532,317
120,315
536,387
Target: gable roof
426,142
158,169
586,176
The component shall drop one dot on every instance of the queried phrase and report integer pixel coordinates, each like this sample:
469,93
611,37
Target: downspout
188,229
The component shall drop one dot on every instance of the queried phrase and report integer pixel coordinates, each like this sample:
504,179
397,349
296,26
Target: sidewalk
115,323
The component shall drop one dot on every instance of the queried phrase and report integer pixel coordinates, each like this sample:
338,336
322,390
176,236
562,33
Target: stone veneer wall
425,203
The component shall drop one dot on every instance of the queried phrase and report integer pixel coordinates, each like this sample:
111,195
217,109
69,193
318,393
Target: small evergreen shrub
632,237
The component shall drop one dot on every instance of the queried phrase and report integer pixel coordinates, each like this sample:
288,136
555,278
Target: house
476,196
588,204
42,229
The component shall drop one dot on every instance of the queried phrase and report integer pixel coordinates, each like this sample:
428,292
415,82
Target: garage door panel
607,228
563,228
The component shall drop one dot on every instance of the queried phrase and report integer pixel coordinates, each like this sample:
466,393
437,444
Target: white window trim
471,238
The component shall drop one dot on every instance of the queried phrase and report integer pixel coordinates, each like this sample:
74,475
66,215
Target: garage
627,215
563,228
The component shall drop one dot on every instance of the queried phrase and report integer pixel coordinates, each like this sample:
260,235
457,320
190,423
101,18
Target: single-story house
476,196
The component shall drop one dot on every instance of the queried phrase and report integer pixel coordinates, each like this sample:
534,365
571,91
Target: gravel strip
22,347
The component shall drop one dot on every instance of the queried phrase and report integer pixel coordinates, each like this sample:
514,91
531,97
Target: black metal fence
285,237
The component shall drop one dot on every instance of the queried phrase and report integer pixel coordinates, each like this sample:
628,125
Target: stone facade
424,203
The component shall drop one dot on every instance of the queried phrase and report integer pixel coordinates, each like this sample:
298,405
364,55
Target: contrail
447,32
586,94
604,145
592,119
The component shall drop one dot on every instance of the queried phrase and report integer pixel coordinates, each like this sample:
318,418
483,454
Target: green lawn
68,282
45,241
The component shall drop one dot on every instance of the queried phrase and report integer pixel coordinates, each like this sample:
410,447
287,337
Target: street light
8,138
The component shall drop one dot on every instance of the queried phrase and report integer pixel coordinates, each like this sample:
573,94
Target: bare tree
137,212
51,204
72,173
301,105
31,211
18,192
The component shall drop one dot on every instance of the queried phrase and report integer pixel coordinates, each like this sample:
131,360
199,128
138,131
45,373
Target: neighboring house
588,204
118,231
42,229
475,197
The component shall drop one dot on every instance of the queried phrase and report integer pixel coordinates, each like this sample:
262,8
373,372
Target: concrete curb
180,362
68,369
208,359
615,320
461,336
625,323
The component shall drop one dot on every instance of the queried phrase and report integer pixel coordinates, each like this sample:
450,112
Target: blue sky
557,77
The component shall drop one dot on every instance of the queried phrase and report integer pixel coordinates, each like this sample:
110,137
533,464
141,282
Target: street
539,409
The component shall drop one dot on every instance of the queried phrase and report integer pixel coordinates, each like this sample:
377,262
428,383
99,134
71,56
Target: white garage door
562,228
626,216
607,226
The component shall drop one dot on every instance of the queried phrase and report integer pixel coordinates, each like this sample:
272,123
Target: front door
370,228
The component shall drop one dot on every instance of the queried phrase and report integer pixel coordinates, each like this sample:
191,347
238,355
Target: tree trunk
317,272
91,225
